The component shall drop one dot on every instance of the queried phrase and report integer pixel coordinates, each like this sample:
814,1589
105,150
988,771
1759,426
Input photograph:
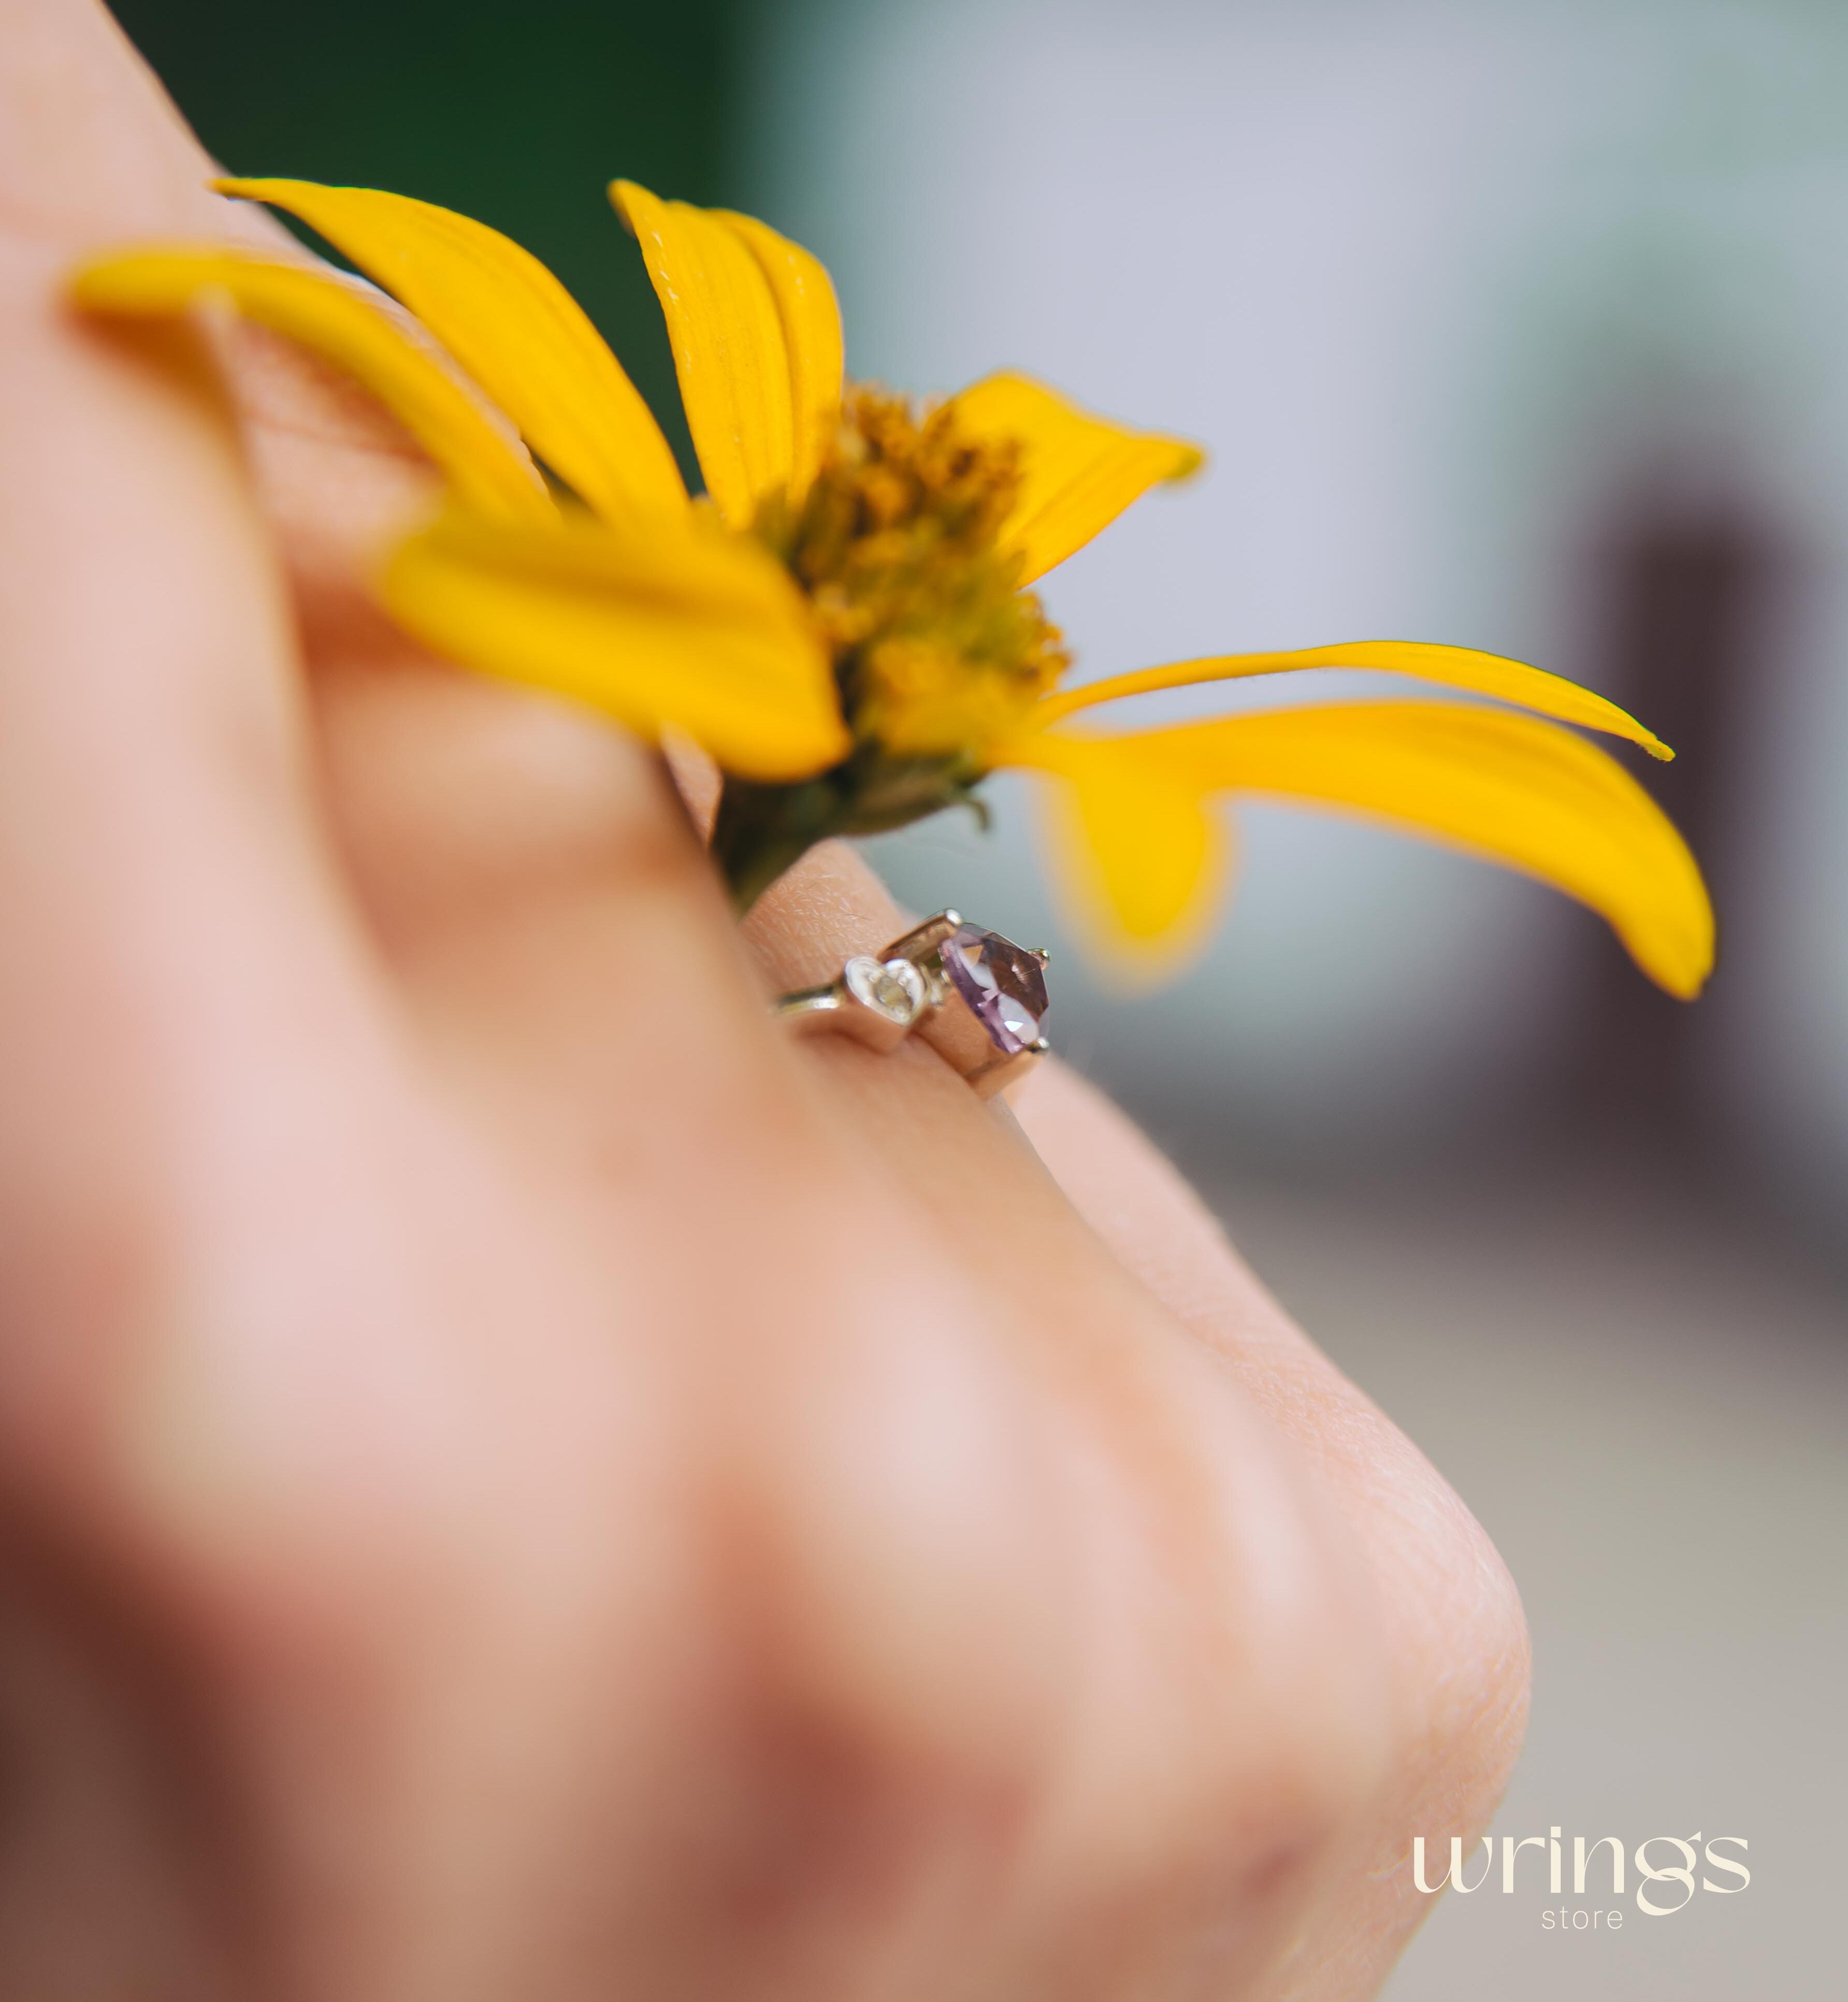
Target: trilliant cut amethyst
1004,984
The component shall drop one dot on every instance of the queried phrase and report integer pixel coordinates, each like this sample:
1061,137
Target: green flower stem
761,830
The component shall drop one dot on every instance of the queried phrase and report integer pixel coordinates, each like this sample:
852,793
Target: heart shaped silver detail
892,988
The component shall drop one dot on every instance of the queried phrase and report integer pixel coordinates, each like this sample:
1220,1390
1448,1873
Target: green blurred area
518,115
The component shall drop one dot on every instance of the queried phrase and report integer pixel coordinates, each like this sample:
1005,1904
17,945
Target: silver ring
977,998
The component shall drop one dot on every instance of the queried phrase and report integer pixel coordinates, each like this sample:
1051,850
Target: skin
514,1481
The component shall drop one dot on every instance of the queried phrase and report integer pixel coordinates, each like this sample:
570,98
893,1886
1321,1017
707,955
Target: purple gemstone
1004,984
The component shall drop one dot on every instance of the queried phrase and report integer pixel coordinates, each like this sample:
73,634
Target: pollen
936,648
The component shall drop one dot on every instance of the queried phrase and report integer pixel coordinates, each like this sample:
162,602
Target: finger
533,879
164,895
152,743
92,149
1086,1336
1455,1634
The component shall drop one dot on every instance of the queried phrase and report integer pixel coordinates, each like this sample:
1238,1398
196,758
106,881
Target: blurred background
1520,324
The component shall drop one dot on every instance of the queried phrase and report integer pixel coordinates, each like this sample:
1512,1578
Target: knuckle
1457,1644
1471,1657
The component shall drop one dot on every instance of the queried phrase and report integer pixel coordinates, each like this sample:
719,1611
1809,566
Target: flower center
936,649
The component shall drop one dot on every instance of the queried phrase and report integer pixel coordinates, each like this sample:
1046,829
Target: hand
514,1480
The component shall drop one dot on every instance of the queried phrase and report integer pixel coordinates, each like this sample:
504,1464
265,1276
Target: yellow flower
845,621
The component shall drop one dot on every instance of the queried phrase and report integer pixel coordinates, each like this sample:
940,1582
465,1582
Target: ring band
976,998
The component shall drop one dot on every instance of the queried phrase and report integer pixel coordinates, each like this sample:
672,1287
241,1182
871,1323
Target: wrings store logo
1675,1885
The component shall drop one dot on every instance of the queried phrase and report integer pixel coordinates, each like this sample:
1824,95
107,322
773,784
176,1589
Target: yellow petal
1143,857
338,320
1454,667
688,627
729,351
1079,472
1517,790
512,324
811,322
